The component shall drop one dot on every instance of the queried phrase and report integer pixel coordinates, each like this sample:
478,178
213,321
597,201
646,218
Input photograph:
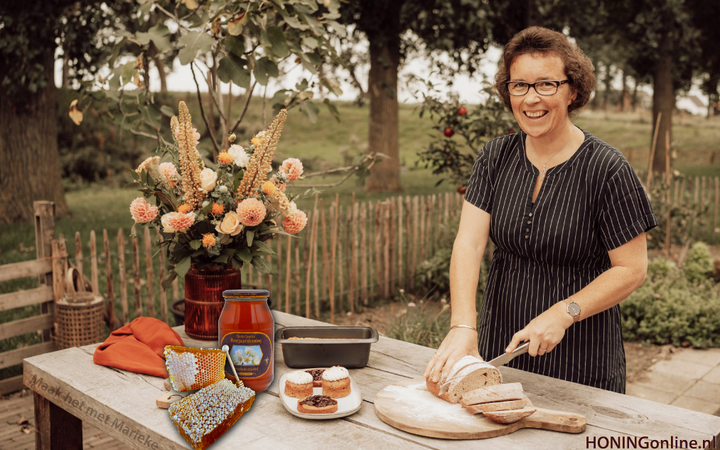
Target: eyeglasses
542,87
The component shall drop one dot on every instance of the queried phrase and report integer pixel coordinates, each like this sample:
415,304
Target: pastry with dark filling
317,404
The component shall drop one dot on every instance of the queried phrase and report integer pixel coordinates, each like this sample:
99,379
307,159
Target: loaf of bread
201,418
468,374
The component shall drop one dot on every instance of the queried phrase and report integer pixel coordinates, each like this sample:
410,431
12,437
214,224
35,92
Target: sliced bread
467,374
511,416
495,393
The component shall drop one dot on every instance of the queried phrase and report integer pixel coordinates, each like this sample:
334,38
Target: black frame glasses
555,83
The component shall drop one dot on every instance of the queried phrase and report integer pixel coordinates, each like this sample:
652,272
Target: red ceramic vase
204,300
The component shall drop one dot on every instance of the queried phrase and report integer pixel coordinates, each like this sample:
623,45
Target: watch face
573,309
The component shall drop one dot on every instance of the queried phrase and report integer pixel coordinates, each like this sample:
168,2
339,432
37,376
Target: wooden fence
41,323
699,196
346,256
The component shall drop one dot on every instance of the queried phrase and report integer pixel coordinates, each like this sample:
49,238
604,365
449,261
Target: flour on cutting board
417,402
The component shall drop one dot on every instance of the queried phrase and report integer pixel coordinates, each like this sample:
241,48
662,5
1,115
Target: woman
568,216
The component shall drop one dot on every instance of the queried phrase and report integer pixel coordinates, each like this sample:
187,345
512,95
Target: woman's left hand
544,332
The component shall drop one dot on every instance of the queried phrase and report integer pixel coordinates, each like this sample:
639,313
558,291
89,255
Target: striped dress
554,247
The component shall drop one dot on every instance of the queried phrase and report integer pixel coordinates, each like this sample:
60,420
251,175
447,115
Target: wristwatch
574,310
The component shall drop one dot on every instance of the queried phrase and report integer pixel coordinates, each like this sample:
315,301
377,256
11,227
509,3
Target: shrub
675,306
699,264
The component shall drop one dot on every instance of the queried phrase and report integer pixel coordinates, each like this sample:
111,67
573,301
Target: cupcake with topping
336,382
299,384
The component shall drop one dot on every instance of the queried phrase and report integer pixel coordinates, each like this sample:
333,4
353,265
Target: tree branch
247,103
370,159
202,111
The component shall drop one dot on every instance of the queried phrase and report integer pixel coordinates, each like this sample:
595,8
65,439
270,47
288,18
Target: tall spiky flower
190,162
261,160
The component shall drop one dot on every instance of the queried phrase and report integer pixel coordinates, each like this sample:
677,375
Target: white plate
346,405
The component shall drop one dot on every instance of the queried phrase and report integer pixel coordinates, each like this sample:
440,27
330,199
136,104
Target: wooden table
69,388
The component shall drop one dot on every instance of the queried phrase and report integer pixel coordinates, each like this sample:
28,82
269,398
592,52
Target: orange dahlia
294,222
293,168
251,212
184,208
142,211
170,173
175,222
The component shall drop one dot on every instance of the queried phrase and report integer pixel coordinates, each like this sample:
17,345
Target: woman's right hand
459,342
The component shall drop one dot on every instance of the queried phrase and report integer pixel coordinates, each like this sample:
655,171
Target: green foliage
95,152
422,323
675,306
453,156
685,215
699,264
239,42
29,39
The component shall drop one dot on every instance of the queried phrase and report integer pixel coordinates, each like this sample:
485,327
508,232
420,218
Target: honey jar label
251,352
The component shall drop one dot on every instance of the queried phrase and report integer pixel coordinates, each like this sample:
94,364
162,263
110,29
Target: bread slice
467,374
497,406
497,393
511,416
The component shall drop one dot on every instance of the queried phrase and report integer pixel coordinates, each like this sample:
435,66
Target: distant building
691,104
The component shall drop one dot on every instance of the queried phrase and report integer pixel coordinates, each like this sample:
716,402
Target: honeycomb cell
194,368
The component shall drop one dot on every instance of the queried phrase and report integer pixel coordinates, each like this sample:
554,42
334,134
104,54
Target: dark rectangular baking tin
351,349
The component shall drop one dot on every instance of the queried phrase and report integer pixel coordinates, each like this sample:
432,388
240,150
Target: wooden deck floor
20,404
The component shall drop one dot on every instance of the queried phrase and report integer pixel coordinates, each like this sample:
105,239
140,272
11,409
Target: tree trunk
29,160
382,91
663,102
624,95
633,99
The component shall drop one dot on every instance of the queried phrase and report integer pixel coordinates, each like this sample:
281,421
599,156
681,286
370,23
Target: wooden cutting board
410,407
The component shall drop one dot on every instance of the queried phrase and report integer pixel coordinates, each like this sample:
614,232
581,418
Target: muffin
336,382
299,384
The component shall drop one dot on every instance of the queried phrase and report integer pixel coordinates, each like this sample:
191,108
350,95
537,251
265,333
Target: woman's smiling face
540,115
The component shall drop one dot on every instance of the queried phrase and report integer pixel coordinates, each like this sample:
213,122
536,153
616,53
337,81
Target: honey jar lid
246,295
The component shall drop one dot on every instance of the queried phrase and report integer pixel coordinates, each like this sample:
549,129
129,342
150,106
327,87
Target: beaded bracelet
464,326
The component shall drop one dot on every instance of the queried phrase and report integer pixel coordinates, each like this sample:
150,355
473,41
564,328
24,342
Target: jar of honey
247,327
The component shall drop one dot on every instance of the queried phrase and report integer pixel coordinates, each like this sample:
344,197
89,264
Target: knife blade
507,357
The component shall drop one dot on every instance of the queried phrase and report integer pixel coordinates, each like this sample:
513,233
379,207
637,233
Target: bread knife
507,357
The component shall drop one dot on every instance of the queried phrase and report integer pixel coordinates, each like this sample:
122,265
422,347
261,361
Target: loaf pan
345,346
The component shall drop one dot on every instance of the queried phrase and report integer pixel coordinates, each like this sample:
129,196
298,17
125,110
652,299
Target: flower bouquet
218,217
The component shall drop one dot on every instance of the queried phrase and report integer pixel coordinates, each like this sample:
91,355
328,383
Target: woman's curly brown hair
579,70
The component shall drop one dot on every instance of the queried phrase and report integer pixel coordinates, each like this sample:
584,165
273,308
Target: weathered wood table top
70,388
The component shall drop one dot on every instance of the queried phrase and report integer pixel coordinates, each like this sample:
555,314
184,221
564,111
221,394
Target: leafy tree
29,163
661,41
243,44
458,27
705,19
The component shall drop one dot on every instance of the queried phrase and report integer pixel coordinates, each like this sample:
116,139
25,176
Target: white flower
208,178
223,189
239,155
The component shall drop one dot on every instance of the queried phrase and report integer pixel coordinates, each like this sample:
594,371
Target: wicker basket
79,323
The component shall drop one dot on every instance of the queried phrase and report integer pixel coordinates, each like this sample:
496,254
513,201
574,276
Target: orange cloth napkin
138,347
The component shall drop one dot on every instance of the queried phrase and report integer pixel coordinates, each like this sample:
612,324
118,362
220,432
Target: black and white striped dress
551,249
